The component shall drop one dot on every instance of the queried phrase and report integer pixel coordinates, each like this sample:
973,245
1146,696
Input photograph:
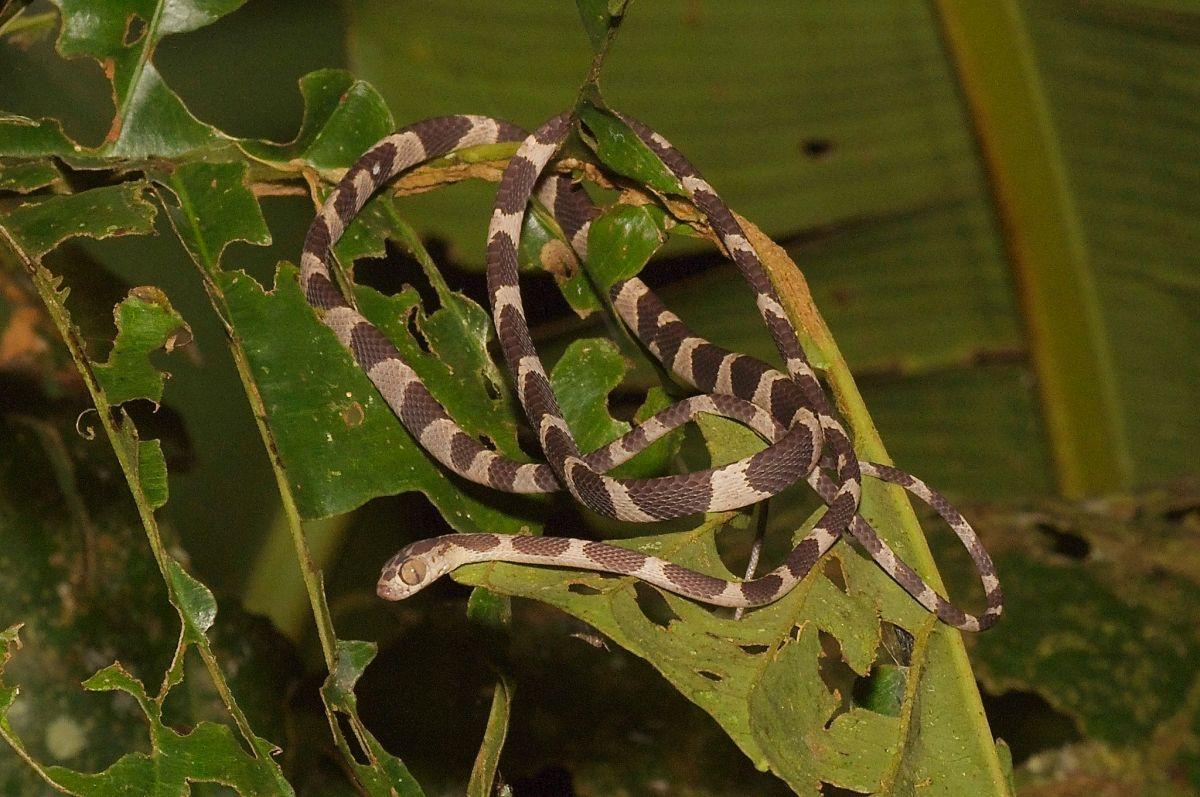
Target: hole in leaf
735,542
1182,513
1064,543
360,756
794,633
1028,723
414,329
834,572
712,676
583,589
898,643
492,389
653,605
834,672
396,271
817,148
755,650
135,29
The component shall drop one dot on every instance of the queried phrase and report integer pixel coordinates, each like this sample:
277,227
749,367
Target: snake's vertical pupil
412,572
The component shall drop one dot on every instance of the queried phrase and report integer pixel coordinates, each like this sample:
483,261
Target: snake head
412,569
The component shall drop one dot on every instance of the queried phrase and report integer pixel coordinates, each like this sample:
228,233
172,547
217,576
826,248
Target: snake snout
390,590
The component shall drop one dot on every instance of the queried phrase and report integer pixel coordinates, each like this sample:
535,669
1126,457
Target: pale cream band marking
724,382
528,365
484,130
506,296
363,185
333,223
682,364
767,304
435,438
508,223
693,184
525,479
409,150
537,153
310,264
729,485
623,503
392,377
799,367
738,243
762,392
342,321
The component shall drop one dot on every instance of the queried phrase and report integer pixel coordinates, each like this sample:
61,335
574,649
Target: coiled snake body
791,411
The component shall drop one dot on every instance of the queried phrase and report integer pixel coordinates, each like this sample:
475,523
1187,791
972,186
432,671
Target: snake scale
789,410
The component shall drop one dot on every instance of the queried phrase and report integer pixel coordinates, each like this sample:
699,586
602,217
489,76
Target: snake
789,410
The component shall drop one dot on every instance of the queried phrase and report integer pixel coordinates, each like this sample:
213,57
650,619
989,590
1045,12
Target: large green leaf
768,678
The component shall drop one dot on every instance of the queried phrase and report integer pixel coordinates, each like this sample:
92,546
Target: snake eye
412,572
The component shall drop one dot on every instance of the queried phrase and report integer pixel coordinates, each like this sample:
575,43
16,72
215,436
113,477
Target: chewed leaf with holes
146,322
387,777
582,379
40,225
210,207
342,118
208,753
150,119
785,681
339,442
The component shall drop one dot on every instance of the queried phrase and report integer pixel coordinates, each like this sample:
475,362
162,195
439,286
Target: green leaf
1069,351
1097,594
760,677
208,753
152,472
598,17
22,177
384,775
196,602
339,442
622,240
582,379
620,149
343,117
483,773
146,322
150,119
544,247
863,157
78,574
22,137
1074,632
214,209
41,225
